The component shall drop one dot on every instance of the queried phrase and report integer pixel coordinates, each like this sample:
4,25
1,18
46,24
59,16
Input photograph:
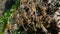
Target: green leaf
8,14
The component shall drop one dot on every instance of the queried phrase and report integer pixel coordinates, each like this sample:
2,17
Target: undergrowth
7,14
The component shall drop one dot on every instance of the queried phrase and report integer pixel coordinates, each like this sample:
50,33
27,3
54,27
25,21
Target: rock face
2,5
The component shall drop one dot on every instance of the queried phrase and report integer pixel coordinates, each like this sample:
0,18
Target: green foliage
8,14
